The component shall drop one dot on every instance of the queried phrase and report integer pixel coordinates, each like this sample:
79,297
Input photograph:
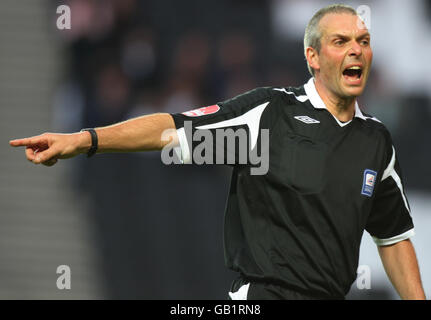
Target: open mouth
353,73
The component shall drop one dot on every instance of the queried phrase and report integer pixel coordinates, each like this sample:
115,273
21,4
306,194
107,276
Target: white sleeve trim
250,118
184,154
392,240
241,294
390,172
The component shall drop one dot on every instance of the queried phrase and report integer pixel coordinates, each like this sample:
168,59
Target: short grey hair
313,34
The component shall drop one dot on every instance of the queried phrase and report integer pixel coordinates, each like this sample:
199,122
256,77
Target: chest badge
306,119
369,182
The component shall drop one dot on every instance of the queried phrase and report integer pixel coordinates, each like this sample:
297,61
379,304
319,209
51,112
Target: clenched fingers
46,155
31,153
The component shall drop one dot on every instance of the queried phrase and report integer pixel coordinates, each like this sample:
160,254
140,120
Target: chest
317,155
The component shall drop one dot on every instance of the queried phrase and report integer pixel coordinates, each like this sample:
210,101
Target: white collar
317,102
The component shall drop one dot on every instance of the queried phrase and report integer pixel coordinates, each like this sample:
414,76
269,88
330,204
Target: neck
341,108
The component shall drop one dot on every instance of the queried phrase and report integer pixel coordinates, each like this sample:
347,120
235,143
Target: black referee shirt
300,225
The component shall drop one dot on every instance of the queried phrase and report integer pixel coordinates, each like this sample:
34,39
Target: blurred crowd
124,61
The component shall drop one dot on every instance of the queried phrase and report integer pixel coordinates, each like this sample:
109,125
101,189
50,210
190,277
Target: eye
339,42
365,42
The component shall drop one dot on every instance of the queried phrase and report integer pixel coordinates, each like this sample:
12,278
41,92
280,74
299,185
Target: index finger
24,142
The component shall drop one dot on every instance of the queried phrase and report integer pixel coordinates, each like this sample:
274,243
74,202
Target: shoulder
377,128
277,98
268,92
251,97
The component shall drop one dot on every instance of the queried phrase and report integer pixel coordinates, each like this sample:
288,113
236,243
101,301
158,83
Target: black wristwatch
94,141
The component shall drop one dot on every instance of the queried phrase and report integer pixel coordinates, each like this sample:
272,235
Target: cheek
332,59
370,57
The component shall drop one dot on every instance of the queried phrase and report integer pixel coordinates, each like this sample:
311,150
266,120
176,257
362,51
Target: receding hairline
340,32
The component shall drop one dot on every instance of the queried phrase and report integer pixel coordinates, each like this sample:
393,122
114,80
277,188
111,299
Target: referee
295,231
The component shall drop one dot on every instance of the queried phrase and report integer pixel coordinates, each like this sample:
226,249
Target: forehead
342,23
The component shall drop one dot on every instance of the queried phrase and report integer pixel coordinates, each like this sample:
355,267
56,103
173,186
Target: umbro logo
306,119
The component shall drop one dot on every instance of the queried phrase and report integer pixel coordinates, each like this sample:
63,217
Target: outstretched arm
400,263
138,134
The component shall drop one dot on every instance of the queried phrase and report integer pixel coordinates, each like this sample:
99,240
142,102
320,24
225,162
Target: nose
355,49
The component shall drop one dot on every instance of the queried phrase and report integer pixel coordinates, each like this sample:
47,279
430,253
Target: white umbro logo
306,119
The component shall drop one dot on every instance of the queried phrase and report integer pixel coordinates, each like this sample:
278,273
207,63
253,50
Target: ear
312,58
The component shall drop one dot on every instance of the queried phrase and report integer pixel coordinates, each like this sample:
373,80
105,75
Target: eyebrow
345,37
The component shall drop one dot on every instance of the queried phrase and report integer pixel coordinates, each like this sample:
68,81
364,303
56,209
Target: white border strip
241,294
185,150
250,118
299,98
392,240
390,172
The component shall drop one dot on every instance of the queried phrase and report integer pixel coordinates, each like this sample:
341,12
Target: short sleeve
390,220
223,133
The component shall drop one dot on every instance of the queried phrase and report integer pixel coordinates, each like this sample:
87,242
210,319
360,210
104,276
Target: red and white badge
202,111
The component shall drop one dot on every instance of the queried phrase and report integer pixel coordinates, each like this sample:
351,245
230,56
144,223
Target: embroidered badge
369,182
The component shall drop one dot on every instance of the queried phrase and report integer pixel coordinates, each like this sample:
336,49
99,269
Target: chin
352,91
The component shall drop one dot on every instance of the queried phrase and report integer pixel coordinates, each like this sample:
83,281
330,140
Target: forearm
139,134
401,266
151,132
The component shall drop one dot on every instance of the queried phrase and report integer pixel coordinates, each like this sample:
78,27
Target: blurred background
128,226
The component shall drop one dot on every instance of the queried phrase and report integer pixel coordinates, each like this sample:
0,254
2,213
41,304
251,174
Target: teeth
355,68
